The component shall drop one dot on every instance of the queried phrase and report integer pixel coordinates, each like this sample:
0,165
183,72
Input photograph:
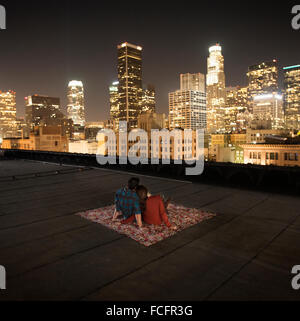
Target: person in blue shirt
127,202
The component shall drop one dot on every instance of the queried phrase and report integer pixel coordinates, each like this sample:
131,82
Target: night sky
48,43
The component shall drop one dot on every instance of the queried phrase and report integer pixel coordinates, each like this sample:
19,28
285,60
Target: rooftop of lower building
245,253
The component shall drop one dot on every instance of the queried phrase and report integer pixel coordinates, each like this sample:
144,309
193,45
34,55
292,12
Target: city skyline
95,64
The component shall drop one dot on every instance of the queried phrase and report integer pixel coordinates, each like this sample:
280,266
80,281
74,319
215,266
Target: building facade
149,99
83,147
259,136
8,113
292,97
236,104
40,108
262,80
187,110
76,111
216,93
187,107
226,147
269,107
272,154
92,129
42,138
173,147
44,110
130,83
195,82
114,102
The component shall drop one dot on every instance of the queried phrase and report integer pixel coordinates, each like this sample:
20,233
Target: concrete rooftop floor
246,253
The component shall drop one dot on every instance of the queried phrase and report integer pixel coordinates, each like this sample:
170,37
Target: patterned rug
181,216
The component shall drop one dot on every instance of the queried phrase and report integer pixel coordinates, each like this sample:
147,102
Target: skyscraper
149,100
130,83
262,80
269,108
8,113
236,104
39,109
44,110
292,97
114,103
216,93
187,107
76,110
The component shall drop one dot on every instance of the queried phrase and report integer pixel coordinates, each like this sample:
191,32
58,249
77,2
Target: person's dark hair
142,193
133,183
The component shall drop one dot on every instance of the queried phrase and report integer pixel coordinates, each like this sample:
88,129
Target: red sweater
155,213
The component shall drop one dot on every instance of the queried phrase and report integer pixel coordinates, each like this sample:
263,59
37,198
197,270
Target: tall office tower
194,82
149,100
114,103
8,113
40,108
235,105
262,80
130,83
44,110
187,108
269,109
216,93
292,97
76,110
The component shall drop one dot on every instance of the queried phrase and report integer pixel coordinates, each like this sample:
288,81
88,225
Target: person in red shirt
153,209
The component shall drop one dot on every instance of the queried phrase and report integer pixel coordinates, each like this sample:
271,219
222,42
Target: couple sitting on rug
135,204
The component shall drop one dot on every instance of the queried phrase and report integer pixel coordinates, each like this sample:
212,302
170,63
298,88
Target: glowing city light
291,67
216,48
268,96
75,83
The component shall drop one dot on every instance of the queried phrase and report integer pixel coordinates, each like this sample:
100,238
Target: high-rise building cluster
44,119
230,116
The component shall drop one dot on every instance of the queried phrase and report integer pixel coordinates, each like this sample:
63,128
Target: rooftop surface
246,253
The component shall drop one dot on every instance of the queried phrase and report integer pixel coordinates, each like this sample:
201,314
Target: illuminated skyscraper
269,108
40,108
236,104
114,103
130,83
292,97
148,100
76,110
262,80
216,93
8,113
44,110
187,107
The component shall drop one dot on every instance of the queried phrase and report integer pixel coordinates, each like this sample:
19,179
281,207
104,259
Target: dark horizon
47,45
